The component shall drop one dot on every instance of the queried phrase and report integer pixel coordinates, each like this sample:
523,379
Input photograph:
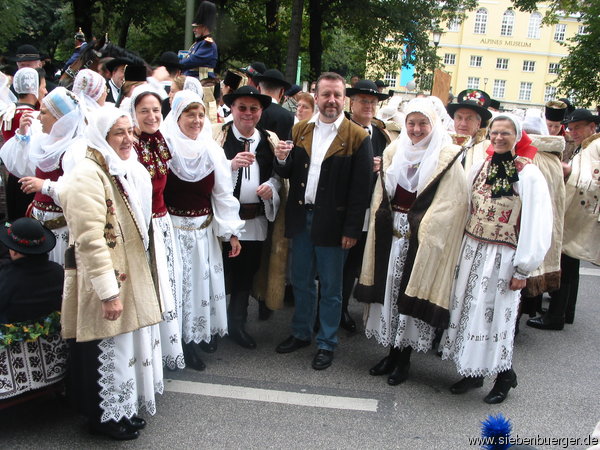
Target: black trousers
82,384
566,296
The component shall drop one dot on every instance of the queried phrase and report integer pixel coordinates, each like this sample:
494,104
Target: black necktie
246,142
368,130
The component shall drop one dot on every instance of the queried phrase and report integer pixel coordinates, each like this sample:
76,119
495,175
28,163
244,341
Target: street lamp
436,36
485,81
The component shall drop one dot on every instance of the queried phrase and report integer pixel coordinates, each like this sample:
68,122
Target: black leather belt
309,207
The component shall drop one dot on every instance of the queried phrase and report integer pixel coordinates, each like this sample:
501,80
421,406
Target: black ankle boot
210,346
192,359
466,384
504,381
400,373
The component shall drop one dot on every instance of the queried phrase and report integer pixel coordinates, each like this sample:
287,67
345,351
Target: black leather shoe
264,313
291,344
399,374
322,359
134,424
114,430
504,381
347,322
242,338
383,367
210,346
466,384
542,323
192,360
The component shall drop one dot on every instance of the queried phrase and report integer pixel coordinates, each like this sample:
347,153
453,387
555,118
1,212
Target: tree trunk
291,63
82,14
315,46
124,29
271,15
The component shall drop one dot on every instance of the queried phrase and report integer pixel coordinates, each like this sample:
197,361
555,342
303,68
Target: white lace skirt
130,373
384,323
203,307
57,254
483,311
167,265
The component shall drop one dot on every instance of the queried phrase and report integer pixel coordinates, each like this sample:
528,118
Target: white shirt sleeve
535,235
15,155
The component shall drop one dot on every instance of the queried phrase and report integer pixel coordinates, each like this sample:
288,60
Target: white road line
273,396
592,272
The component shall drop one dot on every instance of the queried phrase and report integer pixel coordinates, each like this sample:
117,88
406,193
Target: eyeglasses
252,109
364,101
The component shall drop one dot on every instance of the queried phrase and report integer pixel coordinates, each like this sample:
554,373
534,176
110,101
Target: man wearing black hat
276,118
330,171
254,69
28,56
555,112
31,285
249,147
581,232
471,115
290,102
364,97
116,67
231,82
201,60
80,44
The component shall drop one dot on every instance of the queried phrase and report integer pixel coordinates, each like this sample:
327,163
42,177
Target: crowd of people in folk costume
138,217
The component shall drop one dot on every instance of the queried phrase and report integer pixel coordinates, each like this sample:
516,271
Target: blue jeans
309,260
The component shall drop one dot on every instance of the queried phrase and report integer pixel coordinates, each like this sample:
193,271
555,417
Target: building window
476,61
390,79
502,63
553,68
535,23
528,66
499,88
454,25
473,83
508,22
450,59
549,93
582,29
525,90
480,21
559,32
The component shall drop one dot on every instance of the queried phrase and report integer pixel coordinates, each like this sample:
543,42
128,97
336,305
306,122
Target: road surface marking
273,396
592,272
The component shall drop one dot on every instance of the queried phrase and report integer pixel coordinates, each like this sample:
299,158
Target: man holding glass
329,166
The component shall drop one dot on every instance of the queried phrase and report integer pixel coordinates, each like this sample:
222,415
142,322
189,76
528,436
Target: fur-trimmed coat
581,236
437,222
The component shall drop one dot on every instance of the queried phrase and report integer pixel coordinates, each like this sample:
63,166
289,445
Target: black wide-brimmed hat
206,15
475,100
293,90
555,110
247,91
170,60
135,72
273,76
580,115
116,62
233,79
27,236
494,104
254,69
366,87
27,52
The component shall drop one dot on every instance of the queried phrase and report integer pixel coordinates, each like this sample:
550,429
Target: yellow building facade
505,52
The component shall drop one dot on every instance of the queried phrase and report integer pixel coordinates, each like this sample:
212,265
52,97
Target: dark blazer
344,188
278,120
379,139
31,288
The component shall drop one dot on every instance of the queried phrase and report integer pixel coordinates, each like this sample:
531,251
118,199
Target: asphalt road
260,399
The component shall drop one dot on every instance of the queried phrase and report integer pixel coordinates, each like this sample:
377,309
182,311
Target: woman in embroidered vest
199,197
408,268
109,299
41,153
153,153
507,235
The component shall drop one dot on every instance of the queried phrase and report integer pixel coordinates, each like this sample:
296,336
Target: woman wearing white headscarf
507,235
409,264
199,197
44,151
91,89
110,303
153,153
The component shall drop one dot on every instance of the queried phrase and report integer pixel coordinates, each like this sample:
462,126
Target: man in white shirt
329,168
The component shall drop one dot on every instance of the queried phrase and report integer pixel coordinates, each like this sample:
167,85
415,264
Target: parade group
150,206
